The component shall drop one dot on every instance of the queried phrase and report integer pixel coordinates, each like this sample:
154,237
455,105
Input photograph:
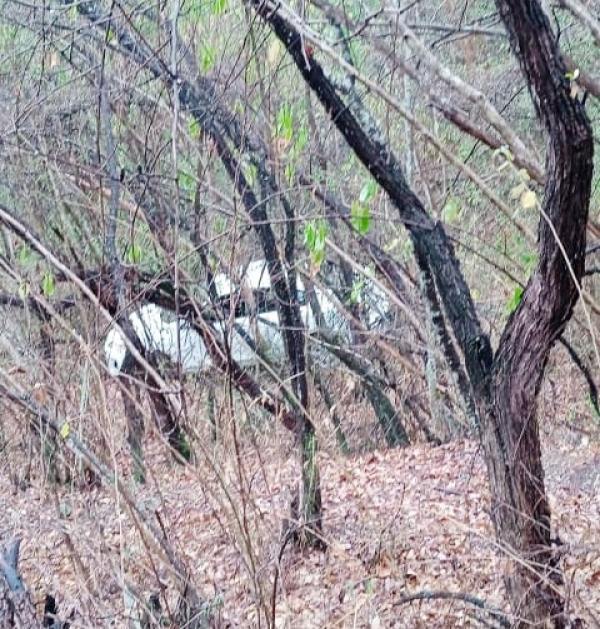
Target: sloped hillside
410,542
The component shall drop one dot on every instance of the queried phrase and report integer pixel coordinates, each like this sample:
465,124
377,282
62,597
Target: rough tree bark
505,386
520,511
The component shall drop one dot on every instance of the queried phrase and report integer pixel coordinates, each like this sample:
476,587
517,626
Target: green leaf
285,122
25,255
368,191
250,172
309,234
572,76
321,235
529,259
219,225
360,217
317,258
194,128
354,294
207,57
65,430
186,181
505,152
48,286
451,211
301,139
515,300
315,234
357,288
217,7
134,254
290,172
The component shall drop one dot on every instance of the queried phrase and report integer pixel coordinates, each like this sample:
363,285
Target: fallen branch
426,595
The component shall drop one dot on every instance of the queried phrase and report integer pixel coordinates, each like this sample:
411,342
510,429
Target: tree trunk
166,421
311,518
505,387
130,394
520,510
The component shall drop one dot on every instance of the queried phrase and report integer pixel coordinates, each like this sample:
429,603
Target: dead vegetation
410,543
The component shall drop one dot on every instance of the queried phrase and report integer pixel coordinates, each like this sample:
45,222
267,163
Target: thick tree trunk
520,510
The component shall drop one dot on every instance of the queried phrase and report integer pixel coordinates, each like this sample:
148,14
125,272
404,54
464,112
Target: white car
254,326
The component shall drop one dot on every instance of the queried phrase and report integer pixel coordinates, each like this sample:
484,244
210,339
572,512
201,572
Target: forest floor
401,526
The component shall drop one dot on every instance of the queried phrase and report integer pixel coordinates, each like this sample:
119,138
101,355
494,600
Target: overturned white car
250,328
